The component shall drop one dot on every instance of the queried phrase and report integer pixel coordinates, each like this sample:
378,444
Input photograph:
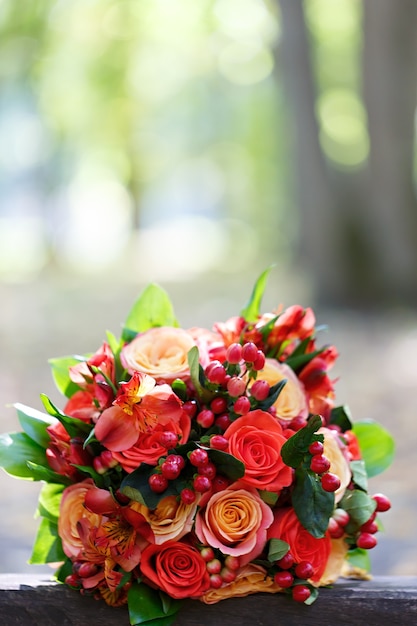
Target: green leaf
48,545
298,362
49,501
60,373
277,549
180,389
274,392
194,364
357,557
313,596
251,311
64,571
376,444
15,451
296,447
360,507
136,486
34,423
152,308
147,608
72,425
312,504
359,475
227,464
40,472
340,415
269,497
114,343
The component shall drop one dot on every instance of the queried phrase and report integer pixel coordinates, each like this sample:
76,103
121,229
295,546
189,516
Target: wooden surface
30,600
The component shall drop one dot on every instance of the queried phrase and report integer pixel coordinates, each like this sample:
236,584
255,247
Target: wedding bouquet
203,464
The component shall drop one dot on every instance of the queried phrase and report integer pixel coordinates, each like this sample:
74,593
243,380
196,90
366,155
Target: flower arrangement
202,464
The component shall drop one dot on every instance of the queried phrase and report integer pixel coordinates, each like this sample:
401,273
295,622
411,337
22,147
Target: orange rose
292,401
251,578
160,352
170,520
256,439
303,546
177,568
72,510
235,520
338,462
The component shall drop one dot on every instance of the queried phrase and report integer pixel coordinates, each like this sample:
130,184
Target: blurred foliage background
194,143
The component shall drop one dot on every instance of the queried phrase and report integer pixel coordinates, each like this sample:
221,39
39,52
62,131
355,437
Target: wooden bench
32,600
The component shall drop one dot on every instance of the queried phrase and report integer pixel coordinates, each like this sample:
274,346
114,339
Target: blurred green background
194,143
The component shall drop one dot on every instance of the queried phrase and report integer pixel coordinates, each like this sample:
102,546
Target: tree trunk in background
358,231
390,88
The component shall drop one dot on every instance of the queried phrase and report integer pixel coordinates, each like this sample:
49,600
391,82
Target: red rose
256,439
177,568
303,546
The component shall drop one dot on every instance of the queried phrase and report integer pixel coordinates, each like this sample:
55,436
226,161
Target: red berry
286,562
216,581
190,407
198,457
220,483
87,569
202,484
335,529
168,439
158,483
215,373
304,569
249,352
259,362
341,516
228,575
208,470
260,390
366,541
242,405
223,421
382,502
236,387
72,580
330,482
207,553
188,496
218,405
170,470
370,527
284,579
300,593
214,566
178,459
232,562
234,353
316,447
205,418
297,423
218,442
319,464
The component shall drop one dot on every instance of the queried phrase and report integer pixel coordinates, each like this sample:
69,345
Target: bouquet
203,464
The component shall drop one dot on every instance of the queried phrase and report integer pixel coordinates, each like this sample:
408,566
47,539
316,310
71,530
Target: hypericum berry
158,483
286,562
341,516
218,442
249,352
316,447
234,353
216,581
209,470
236,387
215,373
214,566
232,562
300,593
335,530
218,405
242,405
87,569
284,579
223,421
220,483
188,496
176,458
207,553
260,390
370,527
190,407
228,575
205,418
198,457
366,541
170,470
168,439
259,362
202,484
304,569
319,464
382,502
330,482
297,423
72,580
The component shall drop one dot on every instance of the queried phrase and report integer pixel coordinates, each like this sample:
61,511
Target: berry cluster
220,568
294,577
321,465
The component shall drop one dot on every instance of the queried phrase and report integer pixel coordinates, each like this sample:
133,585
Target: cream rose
292,401
251,578
160,352
235,521
71,511
335,563
338,461
170,520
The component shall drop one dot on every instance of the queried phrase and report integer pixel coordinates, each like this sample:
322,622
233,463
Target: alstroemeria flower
140,405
